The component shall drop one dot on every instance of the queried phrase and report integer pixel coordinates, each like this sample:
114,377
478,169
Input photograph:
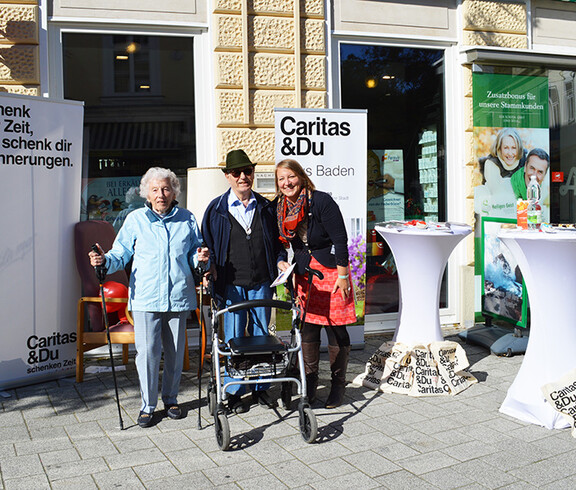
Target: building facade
180,83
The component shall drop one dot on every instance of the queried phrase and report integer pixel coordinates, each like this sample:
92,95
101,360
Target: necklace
247,227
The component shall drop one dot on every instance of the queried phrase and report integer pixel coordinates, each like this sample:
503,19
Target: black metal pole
311,274
201,338
101,274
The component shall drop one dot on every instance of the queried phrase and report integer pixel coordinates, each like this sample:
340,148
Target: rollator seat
255,345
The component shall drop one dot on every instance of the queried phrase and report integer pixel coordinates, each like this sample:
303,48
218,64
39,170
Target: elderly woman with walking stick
165,244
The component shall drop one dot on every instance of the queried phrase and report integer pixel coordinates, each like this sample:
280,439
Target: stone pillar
268,53
19,53
495,23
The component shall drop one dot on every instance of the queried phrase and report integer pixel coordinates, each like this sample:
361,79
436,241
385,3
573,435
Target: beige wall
553,23
397,17
268,53
272,53
494,23
173,11
19,63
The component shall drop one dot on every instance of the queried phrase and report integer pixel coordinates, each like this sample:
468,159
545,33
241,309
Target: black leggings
337,335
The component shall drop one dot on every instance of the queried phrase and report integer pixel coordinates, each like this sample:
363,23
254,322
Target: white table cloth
421,256
418,362
548,265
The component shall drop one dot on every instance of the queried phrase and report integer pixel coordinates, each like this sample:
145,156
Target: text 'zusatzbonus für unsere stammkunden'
509,100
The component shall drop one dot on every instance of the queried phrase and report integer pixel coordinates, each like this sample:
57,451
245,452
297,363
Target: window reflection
562,150
138,93
402,88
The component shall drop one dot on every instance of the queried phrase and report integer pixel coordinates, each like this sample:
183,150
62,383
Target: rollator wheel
308,425
222,431
211,397
286,395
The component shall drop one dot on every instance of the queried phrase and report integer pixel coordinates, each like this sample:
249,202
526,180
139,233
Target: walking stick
201,340
101,275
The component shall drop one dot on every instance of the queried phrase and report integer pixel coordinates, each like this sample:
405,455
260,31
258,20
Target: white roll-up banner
40,180
331,145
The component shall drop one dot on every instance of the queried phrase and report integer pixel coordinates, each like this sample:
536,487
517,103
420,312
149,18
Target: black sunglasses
237,171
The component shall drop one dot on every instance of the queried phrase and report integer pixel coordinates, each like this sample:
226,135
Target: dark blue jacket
326,235
216,232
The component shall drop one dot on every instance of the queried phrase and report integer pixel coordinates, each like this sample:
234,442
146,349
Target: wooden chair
90,329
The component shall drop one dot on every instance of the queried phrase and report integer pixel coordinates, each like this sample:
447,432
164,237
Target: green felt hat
237,159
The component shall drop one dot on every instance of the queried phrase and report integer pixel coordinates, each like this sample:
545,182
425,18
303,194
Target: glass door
403,90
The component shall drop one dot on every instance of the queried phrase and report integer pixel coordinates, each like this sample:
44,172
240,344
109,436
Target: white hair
159,173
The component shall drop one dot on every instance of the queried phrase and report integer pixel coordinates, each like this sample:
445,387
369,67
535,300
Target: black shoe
236,405
173,411
336,396
263,399
145,419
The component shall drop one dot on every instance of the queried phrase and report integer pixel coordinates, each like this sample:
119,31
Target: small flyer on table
283,276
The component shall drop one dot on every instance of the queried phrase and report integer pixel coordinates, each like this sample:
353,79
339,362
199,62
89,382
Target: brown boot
311,353
338,365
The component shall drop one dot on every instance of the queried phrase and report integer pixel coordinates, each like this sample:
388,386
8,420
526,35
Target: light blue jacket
164,252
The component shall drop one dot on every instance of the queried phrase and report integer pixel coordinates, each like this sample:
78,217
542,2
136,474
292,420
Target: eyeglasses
247,171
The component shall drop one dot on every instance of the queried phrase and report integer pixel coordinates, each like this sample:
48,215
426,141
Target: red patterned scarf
289,214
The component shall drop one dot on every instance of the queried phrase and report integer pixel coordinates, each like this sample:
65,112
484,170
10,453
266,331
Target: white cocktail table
421,256
418,362
548,265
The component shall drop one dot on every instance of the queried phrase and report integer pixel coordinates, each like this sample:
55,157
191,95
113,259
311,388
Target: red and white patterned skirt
324,307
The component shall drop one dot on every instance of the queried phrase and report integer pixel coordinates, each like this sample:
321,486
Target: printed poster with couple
511,142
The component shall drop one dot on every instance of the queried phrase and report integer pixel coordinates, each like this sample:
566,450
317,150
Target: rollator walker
260,360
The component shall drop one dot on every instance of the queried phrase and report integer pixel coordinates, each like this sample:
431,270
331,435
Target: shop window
562,150
569,88
554,107
139,113
403,91
560,137
132,64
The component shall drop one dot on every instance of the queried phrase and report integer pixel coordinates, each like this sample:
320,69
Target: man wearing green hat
240,229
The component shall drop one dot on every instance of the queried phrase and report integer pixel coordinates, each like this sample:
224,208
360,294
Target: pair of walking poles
101,275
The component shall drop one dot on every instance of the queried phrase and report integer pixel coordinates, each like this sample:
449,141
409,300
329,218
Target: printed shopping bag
561,395
452,361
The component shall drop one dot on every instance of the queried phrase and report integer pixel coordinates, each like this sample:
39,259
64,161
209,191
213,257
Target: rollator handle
315,272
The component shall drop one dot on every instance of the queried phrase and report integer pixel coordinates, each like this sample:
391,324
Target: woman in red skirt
312,223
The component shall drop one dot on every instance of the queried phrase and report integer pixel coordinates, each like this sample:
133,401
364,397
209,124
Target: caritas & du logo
47,350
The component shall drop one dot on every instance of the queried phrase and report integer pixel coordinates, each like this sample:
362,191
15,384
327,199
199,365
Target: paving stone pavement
62,434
